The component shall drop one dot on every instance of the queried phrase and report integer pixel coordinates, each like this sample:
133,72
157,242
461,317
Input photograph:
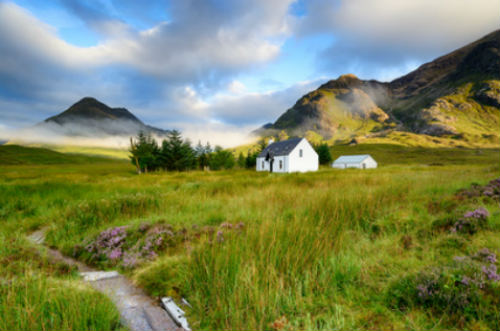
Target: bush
488,191
470,223
165,277
221,159
323,153
129,247
464,288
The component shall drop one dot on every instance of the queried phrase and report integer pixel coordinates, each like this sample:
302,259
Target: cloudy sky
207,66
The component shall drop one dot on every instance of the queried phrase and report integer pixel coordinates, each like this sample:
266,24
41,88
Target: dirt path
137,310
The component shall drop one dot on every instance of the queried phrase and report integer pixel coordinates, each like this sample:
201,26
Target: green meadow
329,250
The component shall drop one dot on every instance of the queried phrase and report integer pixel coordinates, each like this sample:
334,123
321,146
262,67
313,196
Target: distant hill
455,98
21,155
90,117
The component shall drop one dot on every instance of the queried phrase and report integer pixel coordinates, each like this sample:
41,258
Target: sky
214,69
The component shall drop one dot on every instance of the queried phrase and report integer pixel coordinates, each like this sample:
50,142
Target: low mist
116,134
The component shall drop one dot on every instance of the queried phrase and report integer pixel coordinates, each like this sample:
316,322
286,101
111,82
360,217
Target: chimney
270,141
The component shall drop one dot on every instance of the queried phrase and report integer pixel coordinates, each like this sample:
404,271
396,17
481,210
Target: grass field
334,249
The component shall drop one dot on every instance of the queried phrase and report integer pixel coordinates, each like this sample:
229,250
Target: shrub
465,287
323,153
470,223
221,159
129,247
165,277
490,190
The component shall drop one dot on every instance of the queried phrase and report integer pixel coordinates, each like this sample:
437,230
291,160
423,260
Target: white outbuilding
292,155
355,161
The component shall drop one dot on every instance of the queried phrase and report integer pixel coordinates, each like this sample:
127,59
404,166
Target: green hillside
21,155
451,101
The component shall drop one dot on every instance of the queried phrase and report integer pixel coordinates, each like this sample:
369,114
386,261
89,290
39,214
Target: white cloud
224,135
421,24
181,50
239,109
236,87
374,35
159,72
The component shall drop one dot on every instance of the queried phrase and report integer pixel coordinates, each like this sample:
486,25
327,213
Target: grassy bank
264,251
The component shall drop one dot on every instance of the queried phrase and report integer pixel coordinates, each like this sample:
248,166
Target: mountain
90,117
453,99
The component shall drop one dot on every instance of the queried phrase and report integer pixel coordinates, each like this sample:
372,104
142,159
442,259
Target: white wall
259,162
369,163
309,160
276,164
346,165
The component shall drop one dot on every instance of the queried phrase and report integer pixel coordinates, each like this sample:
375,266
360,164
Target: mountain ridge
433,100
89,117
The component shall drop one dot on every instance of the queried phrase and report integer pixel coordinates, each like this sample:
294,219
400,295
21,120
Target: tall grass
38,293
47,304
317,250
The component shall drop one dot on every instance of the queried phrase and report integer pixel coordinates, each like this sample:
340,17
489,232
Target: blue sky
214,66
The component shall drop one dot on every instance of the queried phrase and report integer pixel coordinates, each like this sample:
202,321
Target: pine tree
176,154
202,153
144,152
241,161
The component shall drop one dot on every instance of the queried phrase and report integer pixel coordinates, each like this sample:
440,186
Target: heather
128,247
466,288
469,223
247,250
476,191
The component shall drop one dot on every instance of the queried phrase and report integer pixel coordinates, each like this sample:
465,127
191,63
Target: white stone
92,276
177,314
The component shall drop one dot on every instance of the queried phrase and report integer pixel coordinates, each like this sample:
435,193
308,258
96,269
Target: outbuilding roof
280,148
352,158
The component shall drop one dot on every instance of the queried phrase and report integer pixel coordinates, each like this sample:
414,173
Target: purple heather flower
220,236
115,254
465,280
129,260
226,226
422,290
491,272
480,213
487,255
488,192
159,241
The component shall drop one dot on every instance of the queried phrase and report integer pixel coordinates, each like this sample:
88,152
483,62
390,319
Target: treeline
177,154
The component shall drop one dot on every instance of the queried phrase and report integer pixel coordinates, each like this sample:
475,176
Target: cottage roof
351,158
280,148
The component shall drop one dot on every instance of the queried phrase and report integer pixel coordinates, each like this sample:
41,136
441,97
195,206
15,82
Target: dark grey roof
280,148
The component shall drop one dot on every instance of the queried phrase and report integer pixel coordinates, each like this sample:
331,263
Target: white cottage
355,161
292,155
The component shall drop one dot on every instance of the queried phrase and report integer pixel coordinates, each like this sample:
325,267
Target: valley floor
334,249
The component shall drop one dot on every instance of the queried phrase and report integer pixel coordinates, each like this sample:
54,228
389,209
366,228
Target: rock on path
137,310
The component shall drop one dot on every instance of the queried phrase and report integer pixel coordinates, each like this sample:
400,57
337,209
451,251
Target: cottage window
281,164
300,153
